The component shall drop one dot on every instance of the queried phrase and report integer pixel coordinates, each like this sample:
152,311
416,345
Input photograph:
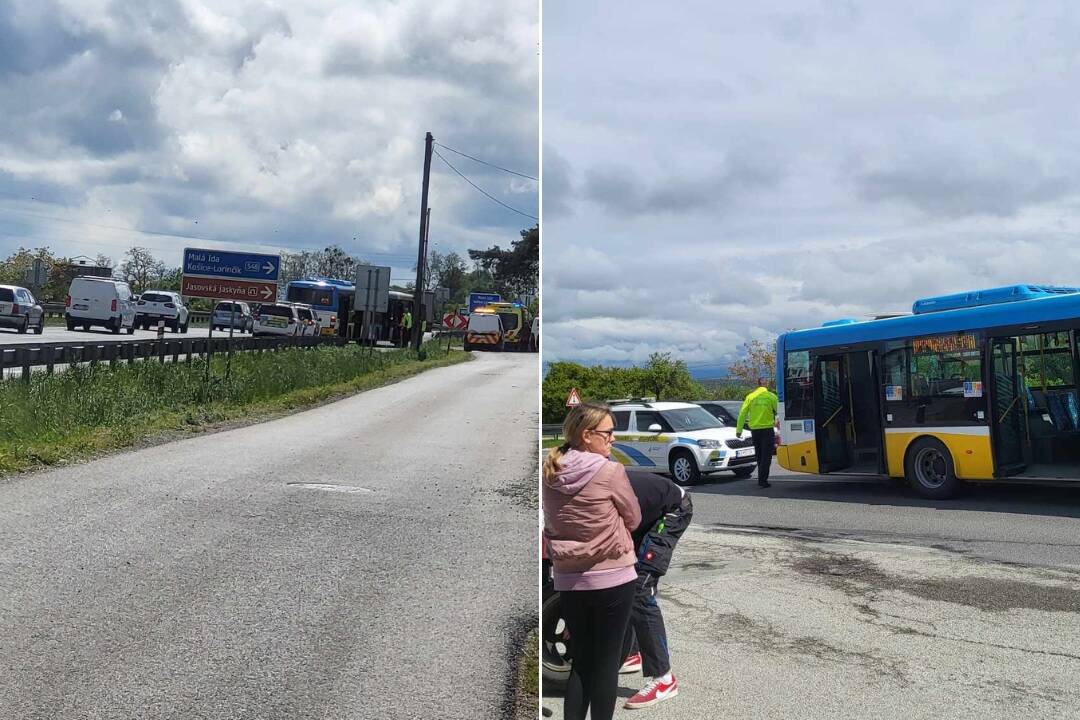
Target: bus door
867,431
1006,407
344,312
832,414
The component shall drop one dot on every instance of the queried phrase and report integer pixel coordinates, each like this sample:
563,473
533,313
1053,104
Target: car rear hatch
156,305
275,316
86,303
7,301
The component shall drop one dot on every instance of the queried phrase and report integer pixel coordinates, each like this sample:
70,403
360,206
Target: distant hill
704,372
701,373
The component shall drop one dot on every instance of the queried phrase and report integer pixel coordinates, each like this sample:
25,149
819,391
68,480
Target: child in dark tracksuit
666,511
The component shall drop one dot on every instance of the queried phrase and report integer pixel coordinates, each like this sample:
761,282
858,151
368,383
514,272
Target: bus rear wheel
930,470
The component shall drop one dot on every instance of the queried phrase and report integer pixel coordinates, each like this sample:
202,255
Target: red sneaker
656,691
632,664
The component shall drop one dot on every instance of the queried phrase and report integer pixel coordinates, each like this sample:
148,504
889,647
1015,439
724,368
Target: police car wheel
556,644
683,467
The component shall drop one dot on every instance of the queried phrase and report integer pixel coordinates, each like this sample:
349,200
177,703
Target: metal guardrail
25,357
551,430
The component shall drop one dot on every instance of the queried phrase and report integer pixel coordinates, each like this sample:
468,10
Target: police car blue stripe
634,455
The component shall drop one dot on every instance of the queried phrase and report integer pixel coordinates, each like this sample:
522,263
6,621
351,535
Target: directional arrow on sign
225,289
269,268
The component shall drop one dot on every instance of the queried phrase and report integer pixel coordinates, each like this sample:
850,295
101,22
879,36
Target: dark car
727,412
19,310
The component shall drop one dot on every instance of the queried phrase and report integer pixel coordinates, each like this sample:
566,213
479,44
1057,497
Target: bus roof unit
324,281
1032,305
993,296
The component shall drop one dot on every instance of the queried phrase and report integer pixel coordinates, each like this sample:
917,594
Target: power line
484,162
484,192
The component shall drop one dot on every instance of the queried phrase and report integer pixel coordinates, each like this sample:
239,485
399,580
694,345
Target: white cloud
721,173
293,125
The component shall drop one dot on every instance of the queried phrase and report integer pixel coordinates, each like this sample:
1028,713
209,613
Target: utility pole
421,259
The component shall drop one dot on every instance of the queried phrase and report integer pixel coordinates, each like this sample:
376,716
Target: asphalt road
371,558
848,597
97,334
1023,524
762,625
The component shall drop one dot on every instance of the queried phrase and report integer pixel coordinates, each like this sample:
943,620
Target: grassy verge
528,680
87,410
551,442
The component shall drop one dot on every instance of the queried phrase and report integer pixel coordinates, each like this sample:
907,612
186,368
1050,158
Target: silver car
19,310
238,314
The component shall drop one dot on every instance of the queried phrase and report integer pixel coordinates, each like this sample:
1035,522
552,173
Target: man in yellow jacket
759,411
405,328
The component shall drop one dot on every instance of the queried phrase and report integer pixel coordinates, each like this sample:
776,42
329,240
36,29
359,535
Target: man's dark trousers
764,442
647,633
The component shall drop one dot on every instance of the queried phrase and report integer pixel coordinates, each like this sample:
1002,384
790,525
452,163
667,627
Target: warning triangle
574,400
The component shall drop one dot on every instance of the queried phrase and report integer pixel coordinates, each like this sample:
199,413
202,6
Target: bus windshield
318,296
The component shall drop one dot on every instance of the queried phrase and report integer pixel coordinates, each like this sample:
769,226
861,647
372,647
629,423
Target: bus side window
895,374
798,385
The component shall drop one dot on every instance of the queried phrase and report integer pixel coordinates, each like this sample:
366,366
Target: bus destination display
944,344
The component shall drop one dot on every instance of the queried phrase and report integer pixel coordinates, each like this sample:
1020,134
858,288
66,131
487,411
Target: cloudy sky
268,125
722,172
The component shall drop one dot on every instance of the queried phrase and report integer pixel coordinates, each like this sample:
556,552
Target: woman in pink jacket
589,511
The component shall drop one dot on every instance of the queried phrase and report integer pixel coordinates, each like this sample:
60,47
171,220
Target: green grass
528,686
87,410
550,443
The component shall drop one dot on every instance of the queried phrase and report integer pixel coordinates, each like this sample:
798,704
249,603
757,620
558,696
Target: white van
485,332
100,301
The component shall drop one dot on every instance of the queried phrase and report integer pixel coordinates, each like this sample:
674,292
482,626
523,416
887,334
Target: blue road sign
481,299
238,266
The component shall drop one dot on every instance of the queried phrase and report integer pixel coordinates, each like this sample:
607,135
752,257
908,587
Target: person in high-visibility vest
406,328
759,411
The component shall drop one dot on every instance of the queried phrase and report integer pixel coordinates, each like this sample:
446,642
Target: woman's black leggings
597,621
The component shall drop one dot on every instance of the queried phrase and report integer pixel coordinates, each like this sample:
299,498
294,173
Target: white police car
682,437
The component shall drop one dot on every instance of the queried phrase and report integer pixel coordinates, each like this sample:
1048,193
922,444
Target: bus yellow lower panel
971,454
800,457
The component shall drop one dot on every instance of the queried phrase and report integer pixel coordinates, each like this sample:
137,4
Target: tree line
513,272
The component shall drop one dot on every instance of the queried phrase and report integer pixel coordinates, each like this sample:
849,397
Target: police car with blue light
682,438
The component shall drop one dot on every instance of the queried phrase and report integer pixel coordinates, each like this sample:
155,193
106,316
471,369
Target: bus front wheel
930,470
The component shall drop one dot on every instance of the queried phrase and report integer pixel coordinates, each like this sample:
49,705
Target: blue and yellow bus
976,386
331,299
